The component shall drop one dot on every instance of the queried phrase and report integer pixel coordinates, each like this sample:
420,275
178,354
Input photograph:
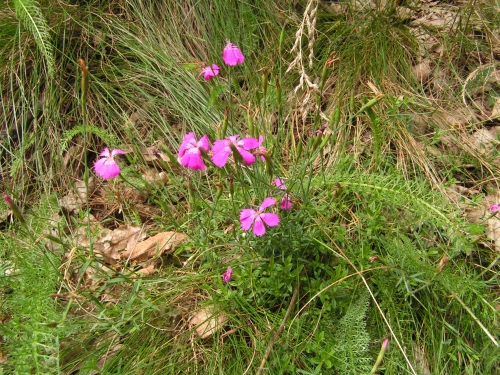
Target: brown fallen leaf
123,238
152,177
164,242
76,198
207,321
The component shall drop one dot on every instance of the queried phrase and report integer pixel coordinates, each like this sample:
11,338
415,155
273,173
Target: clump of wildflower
209,72
106,167
223,148
249,217
190,152
232,54
494,208
286,202
226,276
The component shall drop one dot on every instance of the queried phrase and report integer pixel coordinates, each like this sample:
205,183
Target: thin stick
278,331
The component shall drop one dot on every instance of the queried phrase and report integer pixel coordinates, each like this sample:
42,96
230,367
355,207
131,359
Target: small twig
278,331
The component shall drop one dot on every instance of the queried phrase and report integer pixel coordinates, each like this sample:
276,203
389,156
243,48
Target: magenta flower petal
247,216
247,156
248,143
219,158
258,227
267,203
204,143
279,183
232,54
209,72
226,276
190,154
270,219
494,208
106,167
261,150
223,148
117,152
219,145
286,203
258,218
105,153
192,159
189,139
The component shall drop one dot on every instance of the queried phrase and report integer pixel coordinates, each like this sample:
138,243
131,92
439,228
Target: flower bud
15,210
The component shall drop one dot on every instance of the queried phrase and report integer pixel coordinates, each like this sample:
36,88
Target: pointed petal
188,138
219,145
105,153
267,203
279,183
117,152
215,69
220,157
270,219
247,216
258,228
249,143
203,143
248,157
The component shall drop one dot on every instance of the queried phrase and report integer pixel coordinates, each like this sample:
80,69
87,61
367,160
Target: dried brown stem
278,331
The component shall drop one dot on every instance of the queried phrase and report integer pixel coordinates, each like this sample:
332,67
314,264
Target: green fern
110,139
30,14
352,340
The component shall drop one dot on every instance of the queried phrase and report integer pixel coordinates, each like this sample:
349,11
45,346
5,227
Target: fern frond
30,14
107,137
352,340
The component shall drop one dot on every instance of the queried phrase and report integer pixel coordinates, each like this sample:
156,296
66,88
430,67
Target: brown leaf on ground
76,198
207,321
110,243
123,238
152,177
164,242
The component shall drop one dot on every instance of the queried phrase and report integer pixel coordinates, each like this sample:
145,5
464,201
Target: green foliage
34,326
30,13
360,212
109,138
352,341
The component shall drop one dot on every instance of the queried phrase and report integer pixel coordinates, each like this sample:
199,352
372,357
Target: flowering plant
249,217
209,72
232,54
190,152
106,167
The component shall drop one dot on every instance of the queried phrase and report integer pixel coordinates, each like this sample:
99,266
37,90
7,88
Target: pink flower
494,208
190,154
249,216
106,167
222,149
226,276
286,202
232,54
209,72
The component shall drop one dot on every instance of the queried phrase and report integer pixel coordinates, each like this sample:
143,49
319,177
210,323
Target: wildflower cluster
193,154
